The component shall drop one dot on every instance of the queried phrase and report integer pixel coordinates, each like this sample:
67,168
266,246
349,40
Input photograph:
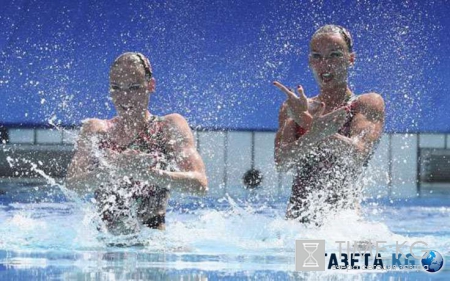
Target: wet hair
332,28
138,58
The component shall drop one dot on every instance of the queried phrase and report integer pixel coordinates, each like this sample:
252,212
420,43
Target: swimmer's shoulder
174,120
175,123
370,101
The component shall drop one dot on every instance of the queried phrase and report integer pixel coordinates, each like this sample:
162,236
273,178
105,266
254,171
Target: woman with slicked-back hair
325,140
132,161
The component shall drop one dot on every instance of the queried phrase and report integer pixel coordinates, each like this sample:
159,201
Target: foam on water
228,234
232,230
227,239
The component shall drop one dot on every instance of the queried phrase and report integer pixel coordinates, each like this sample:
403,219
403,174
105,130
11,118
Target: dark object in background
4,138
252,178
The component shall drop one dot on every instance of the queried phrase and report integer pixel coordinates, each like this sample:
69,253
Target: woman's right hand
297,105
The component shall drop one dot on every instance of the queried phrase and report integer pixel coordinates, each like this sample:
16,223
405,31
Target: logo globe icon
432,262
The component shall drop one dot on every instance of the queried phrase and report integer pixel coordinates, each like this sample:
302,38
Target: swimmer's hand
158,176
297,105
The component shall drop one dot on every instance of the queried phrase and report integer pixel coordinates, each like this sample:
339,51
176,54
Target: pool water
45,236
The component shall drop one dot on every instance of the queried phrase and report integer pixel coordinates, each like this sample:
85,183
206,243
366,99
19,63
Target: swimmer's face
129,87
330,59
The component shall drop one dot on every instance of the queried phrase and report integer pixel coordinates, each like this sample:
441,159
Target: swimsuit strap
350,104
156,118
350,97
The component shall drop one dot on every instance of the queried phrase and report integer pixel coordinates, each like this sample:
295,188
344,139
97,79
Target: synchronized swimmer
133,160
142,155
326,139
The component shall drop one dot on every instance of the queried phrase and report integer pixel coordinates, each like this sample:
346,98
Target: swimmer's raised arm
293,111
288,147
286,134
83,172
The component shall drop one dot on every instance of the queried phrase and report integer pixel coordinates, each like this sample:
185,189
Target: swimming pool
45,236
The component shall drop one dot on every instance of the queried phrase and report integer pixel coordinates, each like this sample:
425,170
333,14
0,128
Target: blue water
45,236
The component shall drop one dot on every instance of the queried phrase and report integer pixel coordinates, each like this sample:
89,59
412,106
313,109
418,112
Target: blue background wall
214,61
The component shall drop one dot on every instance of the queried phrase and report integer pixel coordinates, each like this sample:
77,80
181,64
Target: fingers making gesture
318,124
297,105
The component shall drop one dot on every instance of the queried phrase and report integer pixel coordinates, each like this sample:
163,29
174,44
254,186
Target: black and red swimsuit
149,200
320,176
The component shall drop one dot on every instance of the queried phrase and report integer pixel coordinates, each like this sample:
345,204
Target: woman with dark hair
326,140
